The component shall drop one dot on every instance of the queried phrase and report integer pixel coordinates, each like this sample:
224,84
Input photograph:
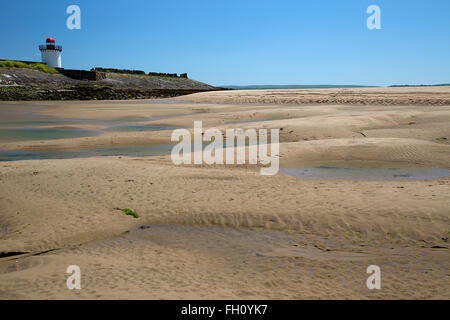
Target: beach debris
24,227
445,239
10,254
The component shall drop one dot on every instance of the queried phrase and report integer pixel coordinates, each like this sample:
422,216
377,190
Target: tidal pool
134,151
22,122
35,133
329,172
250,120
128,151
130,128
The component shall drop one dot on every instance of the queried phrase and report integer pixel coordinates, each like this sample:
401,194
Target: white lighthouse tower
51,54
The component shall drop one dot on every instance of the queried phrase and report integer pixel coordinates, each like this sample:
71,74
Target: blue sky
242,42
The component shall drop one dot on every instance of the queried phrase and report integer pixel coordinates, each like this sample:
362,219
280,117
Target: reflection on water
137,128
355,173
245,121
131,151
22,123
135,151
172,102
25,119
23,134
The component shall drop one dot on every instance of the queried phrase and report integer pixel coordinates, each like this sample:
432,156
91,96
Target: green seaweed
130,212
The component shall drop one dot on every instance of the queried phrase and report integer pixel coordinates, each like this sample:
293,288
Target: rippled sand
225,231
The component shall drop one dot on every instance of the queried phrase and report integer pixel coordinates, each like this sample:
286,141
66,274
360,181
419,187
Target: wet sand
214,232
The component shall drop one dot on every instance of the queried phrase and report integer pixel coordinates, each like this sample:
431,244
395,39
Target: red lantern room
50,43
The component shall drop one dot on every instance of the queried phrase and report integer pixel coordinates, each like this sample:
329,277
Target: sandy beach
227,232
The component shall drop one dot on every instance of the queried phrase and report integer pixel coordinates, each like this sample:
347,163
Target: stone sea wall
82,74
88,93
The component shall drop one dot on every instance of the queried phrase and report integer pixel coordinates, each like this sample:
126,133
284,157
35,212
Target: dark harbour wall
97,74
82,74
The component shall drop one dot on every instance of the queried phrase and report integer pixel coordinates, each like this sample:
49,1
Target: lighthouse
51,53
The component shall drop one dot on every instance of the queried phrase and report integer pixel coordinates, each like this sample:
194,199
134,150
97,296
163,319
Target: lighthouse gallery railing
45,47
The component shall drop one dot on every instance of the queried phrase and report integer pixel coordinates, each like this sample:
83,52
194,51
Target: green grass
130,212
411,123
167,78
35,66
441,139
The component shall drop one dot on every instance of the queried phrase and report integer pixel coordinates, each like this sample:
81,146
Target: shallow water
249,120
34,133
131,151
135,151
324,172
138,128
22,123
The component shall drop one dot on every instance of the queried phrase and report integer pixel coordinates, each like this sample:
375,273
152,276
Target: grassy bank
35,66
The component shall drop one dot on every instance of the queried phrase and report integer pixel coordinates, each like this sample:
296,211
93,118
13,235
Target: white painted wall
52,58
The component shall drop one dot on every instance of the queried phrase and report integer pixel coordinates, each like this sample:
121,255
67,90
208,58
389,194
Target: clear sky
242,42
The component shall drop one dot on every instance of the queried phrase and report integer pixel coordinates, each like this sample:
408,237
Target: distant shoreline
321,86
